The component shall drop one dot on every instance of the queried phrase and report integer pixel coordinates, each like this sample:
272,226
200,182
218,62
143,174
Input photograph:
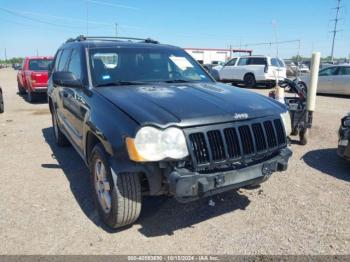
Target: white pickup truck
251,70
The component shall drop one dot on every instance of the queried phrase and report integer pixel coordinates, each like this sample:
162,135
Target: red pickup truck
33,76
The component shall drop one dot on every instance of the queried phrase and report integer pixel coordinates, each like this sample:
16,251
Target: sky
28,27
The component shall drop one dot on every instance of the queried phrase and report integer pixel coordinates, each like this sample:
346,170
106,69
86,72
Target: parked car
1,101
332,80
251,70
33,76
16,66
158,124
344,138
303,68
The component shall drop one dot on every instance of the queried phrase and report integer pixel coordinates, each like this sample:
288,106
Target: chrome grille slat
211,145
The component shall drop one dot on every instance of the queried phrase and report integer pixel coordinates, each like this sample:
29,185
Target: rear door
257,66
326,80
341,84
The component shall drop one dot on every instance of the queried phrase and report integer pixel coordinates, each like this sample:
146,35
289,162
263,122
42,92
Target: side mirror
49,69
67,79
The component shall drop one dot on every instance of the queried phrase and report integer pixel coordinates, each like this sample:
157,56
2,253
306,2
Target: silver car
332,80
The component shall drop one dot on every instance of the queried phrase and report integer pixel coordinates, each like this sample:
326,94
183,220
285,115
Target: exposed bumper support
187,186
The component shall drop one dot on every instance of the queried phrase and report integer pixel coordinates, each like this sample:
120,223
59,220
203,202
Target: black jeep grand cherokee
148,120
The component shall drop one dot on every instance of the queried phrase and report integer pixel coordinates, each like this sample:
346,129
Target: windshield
117,65
39,64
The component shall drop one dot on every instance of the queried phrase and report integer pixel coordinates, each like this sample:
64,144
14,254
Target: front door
74,101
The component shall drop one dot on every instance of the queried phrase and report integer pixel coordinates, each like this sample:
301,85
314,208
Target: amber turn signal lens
133,154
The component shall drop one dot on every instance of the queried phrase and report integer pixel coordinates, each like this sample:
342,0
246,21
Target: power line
335,31
112,4
62,17
35,19
273,43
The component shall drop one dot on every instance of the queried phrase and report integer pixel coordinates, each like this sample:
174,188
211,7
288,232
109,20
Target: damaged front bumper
188,186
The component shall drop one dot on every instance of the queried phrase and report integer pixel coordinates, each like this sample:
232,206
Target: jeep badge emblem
240,116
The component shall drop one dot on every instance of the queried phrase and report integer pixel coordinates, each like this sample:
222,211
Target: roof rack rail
110,38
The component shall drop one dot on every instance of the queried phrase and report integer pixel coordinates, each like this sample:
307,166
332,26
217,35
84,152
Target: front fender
152,173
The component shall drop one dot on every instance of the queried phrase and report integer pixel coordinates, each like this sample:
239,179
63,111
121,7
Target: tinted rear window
39,64
257,61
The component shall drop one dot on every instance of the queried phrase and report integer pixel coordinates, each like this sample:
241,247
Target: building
213,55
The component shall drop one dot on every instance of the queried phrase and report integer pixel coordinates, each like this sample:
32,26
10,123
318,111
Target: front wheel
118,204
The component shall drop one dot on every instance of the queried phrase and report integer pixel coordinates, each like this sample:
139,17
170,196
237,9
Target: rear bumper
39,89
187,186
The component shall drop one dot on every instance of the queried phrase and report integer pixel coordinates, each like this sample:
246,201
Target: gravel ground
46,205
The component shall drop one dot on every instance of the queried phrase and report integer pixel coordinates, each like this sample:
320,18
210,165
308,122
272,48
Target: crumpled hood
189,104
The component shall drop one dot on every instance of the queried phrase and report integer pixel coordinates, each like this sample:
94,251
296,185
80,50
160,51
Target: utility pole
274,27
299,46
37,52
5,56
335,31
116,29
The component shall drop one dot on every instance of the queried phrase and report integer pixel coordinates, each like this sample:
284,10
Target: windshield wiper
121,83
178,81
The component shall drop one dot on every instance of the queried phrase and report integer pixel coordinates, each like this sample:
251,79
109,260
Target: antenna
335,31
116,29
87,17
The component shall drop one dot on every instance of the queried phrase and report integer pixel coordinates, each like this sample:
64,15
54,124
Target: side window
75,63
231,62
243,61
274,62
57,59
257,61
63,60
281,63
345,71
329,71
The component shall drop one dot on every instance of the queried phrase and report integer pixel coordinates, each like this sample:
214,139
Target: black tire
60,138
270,85
31,97
304,136
249,81
126,198
1,103
21,90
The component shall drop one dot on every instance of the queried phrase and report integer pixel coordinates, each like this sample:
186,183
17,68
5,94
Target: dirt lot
46,205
